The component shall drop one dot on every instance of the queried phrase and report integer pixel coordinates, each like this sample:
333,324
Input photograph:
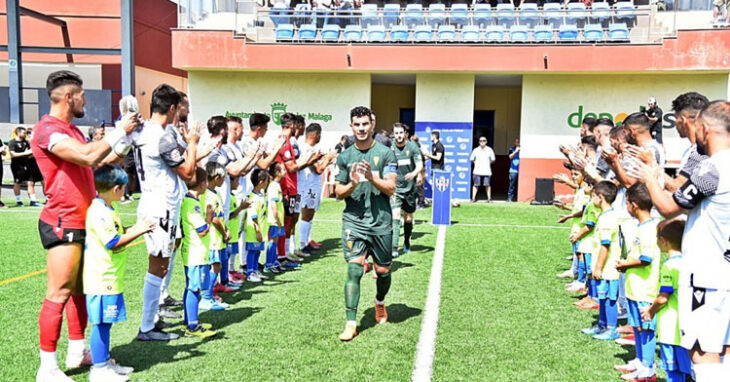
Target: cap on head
652,100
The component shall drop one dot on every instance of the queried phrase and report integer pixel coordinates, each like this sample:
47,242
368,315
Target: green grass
504,315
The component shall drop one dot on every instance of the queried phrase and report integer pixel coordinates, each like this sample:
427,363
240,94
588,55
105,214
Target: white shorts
310,199
161,241
704,318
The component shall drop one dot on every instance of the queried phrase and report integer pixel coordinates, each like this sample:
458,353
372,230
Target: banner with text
457,140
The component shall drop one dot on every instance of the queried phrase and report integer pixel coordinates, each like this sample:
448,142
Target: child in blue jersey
195,225
675,359
604,271
256,224
105,261
642,277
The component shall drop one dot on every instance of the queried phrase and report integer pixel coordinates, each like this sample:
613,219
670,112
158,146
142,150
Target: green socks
383,286
352,289
396,233
407,231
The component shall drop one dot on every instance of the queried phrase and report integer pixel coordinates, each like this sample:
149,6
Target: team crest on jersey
442,183
376,160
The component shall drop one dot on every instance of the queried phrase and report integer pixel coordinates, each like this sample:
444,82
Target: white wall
549,100
444,98
35,75
317,96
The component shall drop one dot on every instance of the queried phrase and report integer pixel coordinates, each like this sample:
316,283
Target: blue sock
271,255
257,257
676,376
99,344
574,265
602,313
648,345
611,313
185,297
639,348
212,277
581,271
251,265
192,299
224,266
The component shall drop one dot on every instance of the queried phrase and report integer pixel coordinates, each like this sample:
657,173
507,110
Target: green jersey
104,265
194,247
589,243
642,282
607,230
367,210
234,222
407,157
668,316
579,204
256,214
211,199
275,201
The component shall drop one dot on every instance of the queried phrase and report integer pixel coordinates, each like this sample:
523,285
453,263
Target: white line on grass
423,367
508,226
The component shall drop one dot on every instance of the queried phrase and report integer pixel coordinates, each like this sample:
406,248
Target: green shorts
356,244
406,202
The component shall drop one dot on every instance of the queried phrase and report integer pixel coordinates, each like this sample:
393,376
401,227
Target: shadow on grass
421,248
397,313
398,265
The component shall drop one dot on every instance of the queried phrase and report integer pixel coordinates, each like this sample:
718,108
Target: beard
701,148
78,112
183,118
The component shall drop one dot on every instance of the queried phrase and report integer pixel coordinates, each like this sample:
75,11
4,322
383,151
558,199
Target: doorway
484,127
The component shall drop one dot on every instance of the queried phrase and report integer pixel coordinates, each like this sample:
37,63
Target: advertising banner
457,140
442,190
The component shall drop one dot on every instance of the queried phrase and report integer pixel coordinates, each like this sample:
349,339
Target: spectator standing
483,157
3,152
340,147
514,170
421,181
437,152
20,154
655,115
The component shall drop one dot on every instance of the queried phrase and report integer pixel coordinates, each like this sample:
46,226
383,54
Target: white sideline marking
423,367
509,226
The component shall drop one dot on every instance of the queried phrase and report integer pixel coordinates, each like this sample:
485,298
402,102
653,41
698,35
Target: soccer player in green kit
408,155
366,181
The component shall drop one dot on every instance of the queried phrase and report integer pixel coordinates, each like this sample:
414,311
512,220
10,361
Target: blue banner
442,191
457,140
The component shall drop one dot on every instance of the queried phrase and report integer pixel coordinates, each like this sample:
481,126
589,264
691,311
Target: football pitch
503,314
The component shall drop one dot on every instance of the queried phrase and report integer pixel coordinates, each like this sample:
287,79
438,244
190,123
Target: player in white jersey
161,171
309,183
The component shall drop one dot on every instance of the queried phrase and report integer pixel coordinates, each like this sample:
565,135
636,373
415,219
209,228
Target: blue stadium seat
553,14
308,32
482,14
470,33
568,33
284,32
399,33
593,32
391,14
518,33
369,15
494,33
577,13
618,32
353,33
506,14
543,33
279,14
376,33
414,15
600,11
436,15
625,11
459,14
331,32
529,14
423,33
446,33
302,14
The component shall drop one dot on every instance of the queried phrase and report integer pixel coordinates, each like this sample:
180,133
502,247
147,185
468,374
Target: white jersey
245,187
156,155
307,178
706,239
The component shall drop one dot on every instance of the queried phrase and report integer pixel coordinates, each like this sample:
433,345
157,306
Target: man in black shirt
437,152
3,151
20,155
655,115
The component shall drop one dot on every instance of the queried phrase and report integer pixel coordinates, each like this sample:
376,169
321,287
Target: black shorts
291,204
54,236
481,180
21,172
35,171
